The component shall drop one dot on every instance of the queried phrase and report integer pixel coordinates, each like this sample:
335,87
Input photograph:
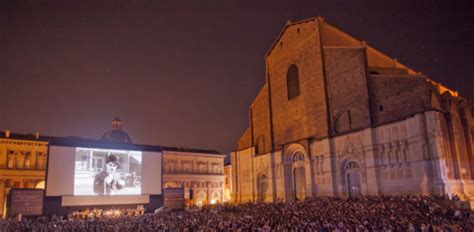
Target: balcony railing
177,171
5,167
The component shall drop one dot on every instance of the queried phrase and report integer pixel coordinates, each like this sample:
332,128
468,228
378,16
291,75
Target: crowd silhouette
368,213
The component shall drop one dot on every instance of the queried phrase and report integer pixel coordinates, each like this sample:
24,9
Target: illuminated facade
22,163
199,172
336,117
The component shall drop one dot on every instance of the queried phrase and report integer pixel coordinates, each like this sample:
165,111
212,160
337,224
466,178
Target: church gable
296,58
283,31
332,36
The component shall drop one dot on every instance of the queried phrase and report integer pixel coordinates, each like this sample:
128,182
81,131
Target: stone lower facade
411,156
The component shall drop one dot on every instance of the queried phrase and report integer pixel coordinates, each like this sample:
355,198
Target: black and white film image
107,172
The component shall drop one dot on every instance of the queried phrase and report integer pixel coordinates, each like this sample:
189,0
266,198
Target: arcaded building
337,117
199,172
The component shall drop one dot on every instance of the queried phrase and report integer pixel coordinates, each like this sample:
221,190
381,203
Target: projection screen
115,176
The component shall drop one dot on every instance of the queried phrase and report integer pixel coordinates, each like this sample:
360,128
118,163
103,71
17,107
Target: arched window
352,165
293,82
298,157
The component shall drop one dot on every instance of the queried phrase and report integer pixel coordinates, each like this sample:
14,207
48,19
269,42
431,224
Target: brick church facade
336,117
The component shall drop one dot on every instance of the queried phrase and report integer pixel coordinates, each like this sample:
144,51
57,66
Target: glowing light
199,203
213,201
40,185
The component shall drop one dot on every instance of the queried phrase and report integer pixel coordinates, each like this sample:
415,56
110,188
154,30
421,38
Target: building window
352,165
11,159
27,160
293,82
298,157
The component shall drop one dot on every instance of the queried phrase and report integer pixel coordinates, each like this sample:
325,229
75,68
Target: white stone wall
439,147
279,176
404,157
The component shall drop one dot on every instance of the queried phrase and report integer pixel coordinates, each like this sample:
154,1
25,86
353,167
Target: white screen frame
60,178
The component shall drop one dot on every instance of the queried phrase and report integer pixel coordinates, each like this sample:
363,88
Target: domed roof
116,134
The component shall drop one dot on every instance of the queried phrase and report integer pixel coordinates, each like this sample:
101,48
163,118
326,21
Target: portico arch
215,198
352,176
299,176
262,187
171,184
201,198
39,184
297,173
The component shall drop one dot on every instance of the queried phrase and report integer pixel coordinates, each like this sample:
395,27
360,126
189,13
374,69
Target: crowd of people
369,213
100,213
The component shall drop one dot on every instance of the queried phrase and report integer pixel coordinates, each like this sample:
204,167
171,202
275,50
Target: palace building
199,172
337,117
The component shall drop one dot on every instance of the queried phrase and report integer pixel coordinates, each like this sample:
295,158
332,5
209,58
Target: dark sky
184,73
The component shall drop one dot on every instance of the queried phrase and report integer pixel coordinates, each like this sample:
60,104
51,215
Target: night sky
184,73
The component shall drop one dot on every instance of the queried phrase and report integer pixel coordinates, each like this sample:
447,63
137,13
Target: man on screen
108,181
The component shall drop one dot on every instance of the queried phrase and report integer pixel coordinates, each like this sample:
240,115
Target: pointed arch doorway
299,176
262,187
353,183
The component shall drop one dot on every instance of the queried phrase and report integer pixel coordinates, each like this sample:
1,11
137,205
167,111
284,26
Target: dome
116,134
